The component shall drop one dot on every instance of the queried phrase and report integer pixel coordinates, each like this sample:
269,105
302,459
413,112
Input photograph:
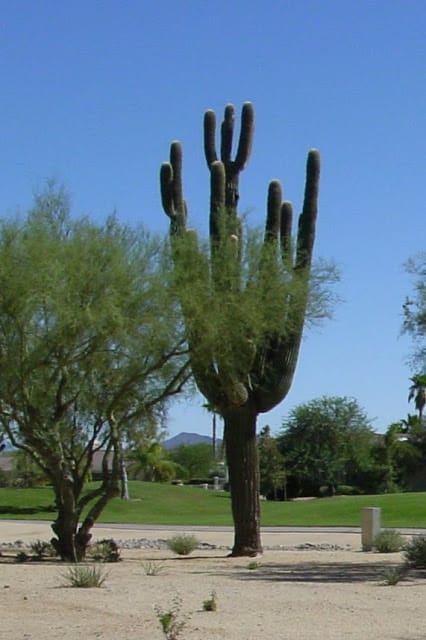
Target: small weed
21,556
392,575
171,626
106,550
210,604
42,549
152,568
85,577
253,565
183,544
388,541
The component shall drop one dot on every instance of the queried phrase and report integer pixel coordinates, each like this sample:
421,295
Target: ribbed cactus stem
172,199
252,374
209,137
227,133
217,186
176,156
232,167
166,180
217,197
273,215
286,229
307,219
246,136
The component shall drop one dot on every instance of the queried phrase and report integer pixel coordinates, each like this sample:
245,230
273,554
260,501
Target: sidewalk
31,530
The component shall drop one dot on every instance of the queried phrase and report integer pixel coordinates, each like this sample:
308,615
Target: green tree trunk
243,466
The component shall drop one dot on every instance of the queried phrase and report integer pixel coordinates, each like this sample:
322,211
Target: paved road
284,529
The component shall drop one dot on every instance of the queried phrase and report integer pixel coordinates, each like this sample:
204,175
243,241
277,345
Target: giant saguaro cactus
256,374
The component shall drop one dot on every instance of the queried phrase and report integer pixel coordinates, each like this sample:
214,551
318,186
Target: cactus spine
260,375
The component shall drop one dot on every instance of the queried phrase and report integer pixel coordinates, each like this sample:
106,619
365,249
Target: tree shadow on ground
322,572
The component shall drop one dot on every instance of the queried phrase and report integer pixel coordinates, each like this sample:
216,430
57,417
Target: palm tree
418,393
211,409
152,464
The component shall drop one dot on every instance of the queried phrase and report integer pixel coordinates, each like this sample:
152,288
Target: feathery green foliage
90,343
414,309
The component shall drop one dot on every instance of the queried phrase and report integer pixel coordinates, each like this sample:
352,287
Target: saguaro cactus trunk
259,373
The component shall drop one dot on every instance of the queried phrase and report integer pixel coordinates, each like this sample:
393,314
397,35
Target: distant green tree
196,460
271,466
326,442
405,445
403,451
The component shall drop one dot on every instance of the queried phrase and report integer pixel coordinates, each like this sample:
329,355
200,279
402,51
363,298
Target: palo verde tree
244,302
414,309
90,342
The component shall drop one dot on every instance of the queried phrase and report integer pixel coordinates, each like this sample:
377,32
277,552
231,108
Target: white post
370,526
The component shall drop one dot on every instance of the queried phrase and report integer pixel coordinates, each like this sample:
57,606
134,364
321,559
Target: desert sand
292,594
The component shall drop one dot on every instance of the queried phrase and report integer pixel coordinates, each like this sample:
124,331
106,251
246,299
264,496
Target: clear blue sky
93,92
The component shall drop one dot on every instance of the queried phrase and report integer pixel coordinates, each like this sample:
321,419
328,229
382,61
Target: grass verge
153,503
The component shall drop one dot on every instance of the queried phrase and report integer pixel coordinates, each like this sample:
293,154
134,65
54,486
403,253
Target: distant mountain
187,438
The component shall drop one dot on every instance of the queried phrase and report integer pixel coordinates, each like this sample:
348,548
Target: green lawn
153,503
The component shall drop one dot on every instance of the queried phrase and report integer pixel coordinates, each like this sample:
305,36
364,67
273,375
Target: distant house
97,461
7,463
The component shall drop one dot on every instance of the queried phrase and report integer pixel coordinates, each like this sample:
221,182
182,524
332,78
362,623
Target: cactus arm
172,199
166,181
207,380
174,205
246,136
286,227
227,133
307,219
279,356
217,198
176,158
209,137
280,365
232,167
273,216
